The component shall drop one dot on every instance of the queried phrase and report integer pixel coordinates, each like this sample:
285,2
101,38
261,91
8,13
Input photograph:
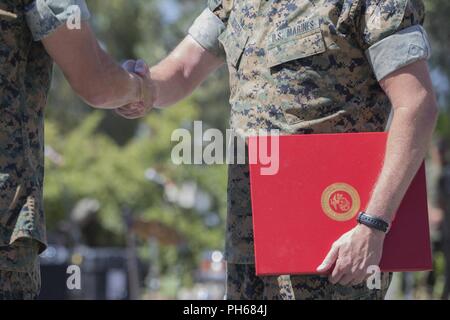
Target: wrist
148,92
138,95
373,222
156,93
371,233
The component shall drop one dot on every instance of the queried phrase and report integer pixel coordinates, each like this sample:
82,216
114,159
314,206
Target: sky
169,10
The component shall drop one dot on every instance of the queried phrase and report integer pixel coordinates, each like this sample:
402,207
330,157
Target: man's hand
352,255
148,93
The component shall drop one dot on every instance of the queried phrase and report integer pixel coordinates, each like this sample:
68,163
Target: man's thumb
329,260
141,68
129,65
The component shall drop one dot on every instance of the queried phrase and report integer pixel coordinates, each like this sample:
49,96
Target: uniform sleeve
391,33
208,27
45,16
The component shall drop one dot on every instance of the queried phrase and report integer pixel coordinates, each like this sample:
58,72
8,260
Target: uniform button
415,50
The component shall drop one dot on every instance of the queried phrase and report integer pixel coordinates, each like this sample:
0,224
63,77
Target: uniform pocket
234,39
297,41
293,56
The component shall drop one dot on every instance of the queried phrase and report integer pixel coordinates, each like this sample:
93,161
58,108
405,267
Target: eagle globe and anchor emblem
341,202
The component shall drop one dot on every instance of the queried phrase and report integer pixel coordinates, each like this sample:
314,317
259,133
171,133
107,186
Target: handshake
147,91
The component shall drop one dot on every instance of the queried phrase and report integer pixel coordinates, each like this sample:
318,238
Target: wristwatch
373,222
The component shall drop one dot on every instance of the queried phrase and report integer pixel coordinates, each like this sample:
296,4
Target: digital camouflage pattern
20,273
25,75
239,233
300,67
45,16
243,284
25,72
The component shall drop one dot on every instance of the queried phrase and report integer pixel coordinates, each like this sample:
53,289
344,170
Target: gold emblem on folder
341,202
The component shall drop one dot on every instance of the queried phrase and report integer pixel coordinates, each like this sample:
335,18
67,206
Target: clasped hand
140,108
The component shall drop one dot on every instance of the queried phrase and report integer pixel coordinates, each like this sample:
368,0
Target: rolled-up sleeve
206,30
45,16
399,50
391,34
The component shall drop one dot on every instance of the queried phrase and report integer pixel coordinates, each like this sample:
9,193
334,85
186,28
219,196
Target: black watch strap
373,223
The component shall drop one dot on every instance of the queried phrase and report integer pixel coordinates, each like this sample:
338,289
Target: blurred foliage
437,26
94,166
105,157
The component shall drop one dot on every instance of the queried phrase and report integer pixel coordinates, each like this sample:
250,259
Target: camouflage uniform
25,73
304,67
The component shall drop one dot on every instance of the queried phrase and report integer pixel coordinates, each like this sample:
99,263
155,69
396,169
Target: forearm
171,82
177,76
107,85
408,142
91,72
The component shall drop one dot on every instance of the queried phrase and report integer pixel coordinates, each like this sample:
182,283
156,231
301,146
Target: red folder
322,183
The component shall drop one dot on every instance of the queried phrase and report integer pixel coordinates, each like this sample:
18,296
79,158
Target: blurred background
140,227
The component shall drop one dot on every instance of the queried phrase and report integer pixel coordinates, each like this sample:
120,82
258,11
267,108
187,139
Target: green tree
439,32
